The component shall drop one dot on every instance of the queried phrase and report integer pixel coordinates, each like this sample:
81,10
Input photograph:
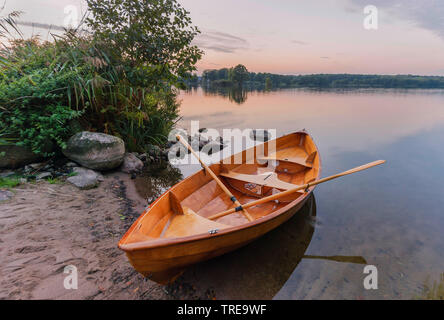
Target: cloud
220,42
427,14
302,43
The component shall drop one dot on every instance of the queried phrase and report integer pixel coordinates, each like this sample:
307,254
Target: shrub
34,108
119,78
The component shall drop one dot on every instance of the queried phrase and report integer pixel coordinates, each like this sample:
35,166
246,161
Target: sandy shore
46,227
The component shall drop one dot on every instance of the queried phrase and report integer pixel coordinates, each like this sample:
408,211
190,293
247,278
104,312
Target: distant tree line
240,76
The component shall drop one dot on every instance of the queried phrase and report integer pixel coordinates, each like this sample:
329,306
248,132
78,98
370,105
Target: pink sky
300,37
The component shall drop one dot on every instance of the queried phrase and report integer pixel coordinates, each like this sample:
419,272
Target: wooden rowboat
183,226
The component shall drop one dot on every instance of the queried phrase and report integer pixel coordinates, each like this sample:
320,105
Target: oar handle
214,176
302,187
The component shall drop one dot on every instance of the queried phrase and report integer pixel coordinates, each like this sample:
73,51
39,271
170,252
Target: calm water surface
391,216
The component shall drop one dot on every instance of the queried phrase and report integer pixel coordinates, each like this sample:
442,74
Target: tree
238,74
268,83
154,34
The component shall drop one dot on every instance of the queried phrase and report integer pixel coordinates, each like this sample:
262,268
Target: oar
213,175
302,187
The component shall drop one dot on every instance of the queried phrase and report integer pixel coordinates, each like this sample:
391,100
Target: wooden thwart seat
190,223
269,179
293,155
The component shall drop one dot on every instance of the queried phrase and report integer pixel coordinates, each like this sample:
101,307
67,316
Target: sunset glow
298,37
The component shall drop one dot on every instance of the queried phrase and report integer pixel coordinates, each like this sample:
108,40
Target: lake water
390,216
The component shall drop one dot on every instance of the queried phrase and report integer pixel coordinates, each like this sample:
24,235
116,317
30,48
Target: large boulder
97,151
12,156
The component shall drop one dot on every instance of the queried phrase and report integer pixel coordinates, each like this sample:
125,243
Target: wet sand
46,227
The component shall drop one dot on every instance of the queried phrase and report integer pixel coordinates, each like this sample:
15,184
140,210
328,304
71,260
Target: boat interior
255,173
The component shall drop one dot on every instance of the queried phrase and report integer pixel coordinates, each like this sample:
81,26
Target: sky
297,36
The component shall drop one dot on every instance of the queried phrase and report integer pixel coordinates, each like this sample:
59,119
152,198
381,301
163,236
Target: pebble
43,175
5,195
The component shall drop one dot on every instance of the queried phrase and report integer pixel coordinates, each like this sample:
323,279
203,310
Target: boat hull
162,256
164,264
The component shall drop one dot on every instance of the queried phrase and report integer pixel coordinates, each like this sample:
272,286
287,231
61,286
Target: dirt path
46,227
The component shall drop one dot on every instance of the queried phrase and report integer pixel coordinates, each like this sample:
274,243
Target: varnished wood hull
163,259
164,263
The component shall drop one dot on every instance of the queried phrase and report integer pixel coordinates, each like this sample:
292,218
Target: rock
23,180
198,141
37,166
169,144
177,152
97,151
143,157
165,154
43,175
5,195
154,150
220,140
17,156
131,164
212,147
260,135
6,174
85,178
71,164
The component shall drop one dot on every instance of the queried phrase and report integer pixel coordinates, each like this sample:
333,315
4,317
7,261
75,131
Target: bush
97,80
34,108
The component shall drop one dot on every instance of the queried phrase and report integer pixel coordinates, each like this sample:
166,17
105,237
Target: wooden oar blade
365,167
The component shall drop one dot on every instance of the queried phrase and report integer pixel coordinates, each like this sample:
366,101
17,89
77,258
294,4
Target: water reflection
391,217
237,95
257,271
156,179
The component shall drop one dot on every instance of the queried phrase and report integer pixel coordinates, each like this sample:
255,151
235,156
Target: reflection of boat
176,231
259,270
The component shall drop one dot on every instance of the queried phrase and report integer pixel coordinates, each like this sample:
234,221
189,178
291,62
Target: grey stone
198,141
131,164
37,166
154,150
71,164
6,174
212,147
85,178
142,157
43,175
260,135
97,151
16,156
5,195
